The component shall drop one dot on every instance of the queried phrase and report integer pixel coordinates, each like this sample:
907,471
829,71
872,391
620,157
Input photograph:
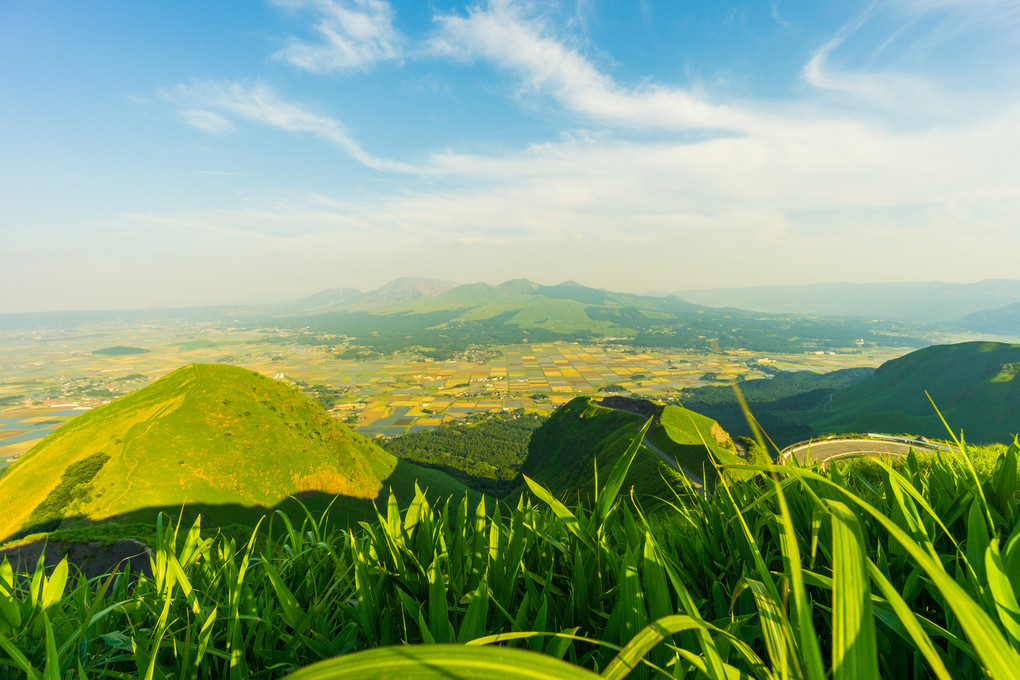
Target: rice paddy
47,377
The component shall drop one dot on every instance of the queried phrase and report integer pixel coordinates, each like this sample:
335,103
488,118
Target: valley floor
48,377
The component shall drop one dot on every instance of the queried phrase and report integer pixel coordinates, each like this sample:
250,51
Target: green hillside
1001,320
974,385
564,451
771,400
221,440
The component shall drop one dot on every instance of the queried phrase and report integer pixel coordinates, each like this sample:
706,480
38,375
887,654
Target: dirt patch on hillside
92,559
721,437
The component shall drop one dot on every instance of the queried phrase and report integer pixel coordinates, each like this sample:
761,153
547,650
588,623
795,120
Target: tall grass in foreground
900,573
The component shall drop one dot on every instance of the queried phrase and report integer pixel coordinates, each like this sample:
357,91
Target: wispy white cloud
777,16
791,180
907,82
762,202
206,120
986,10
354,35
506,35
884,89
259,103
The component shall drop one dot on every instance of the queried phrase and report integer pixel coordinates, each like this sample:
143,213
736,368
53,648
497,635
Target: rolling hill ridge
974,385
928,302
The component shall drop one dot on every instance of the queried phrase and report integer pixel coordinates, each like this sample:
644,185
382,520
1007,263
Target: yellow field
47,375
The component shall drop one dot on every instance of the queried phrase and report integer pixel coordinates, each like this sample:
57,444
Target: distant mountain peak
404,289
519,286
413,287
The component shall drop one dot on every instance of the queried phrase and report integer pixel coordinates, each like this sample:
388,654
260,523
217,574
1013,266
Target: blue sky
193,152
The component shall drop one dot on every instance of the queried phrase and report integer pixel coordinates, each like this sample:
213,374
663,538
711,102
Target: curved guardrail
915,442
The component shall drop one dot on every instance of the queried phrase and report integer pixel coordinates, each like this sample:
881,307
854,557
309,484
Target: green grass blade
910,623
994,652
19,658
647,638
443,662
52,669
773,626
608,494
439,611
204,635
54,586
729,672
854,649
804,629
964,454
473,624
292,613
569,519
1002,590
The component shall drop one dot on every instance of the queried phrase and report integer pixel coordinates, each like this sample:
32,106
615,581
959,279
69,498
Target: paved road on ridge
694,479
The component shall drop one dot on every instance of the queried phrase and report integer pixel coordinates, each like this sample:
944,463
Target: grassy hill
1001,320
974,384
221,440
564,452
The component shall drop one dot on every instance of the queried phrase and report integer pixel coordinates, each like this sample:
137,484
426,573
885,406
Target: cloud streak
767,179
203,102
505,36
354,36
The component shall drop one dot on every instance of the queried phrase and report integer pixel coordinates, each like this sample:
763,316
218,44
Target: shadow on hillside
104,538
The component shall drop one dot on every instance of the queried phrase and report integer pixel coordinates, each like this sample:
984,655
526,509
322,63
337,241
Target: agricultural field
48,377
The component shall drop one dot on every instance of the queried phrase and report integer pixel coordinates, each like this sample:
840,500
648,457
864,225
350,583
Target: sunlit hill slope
221,440
582,435
975,385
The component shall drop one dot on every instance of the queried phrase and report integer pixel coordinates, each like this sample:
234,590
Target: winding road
825,450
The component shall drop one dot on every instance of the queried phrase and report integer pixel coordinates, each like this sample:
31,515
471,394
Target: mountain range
519,310
770,317
986,306
924,302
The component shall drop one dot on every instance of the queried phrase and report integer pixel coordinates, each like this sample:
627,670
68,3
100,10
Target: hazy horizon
284,299
201,154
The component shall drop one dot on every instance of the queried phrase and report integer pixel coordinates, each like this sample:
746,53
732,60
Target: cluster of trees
484,455
120,350
783,385
324,394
